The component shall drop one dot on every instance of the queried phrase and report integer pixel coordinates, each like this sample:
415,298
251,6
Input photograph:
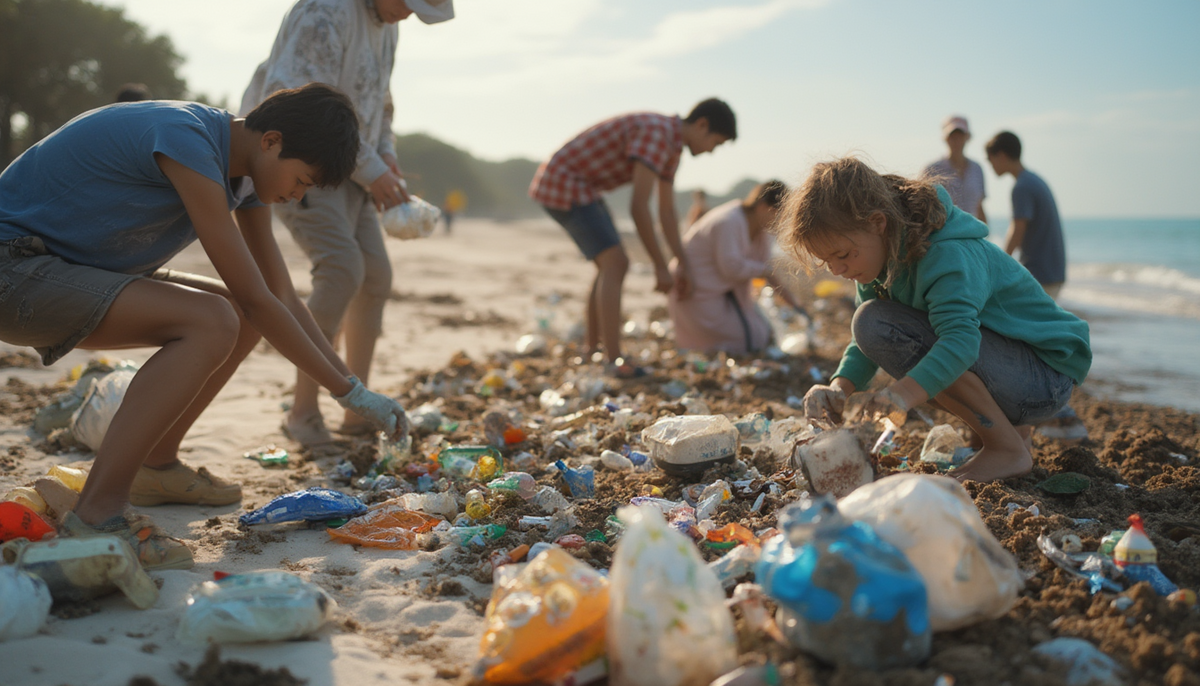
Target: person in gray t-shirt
1035,228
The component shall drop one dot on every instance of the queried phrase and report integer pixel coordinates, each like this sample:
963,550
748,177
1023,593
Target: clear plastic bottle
477,507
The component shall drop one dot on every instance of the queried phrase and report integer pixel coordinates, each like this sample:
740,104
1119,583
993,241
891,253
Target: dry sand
416,615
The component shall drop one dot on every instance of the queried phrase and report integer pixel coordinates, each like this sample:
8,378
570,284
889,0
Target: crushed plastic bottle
473,535
689,445
520,483
832,462
844,594
444,503
256,606
549,500
543,622
310,505
79,569
479,462
477,506
18,521
388,525
735,564
667,622
24,603
1136,555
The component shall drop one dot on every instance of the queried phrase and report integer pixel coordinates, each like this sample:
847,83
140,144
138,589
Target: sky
1105,95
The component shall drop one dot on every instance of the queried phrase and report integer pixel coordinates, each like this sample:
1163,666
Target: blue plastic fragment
1151,574
581,480
310,505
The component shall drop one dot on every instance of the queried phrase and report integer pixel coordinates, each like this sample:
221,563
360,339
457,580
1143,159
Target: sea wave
1142,288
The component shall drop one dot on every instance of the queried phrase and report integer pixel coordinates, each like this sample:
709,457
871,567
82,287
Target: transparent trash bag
544,621
935,522
413,219
667,620
90,422
257,606
24,603
845,595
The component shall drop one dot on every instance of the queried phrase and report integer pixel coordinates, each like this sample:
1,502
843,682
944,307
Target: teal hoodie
965,282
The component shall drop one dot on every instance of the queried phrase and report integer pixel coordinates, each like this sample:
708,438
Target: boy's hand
663,280
388,190
824,405
386,414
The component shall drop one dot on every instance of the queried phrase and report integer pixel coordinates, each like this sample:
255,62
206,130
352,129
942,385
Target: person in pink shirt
727,248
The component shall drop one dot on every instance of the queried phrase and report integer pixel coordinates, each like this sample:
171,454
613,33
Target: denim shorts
590,226
896,337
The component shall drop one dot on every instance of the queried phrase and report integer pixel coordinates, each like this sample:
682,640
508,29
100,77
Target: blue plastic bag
311,505
581,480
845,595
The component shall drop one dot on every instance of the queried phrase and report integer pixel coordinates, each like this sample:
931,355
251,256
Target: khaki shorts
50,304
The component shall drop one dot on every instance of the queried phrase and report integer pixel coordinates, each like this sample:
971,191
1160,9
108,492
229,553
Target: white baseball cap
955,123
432,11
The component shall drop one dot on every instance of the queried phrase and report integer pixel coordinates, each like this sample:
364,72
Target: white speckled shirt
344,44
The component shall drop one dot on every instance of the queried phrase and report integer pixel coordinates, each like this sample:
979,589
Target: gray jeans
896,337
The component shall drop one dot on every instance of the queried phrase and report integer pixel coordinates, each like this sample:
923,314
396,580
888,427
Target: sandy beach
416,617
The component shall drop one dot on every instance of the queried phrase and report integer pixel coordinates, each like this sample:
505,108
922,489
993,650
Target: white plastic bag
667,621
413,219
258,606
970,576
90,422
24,603
690,444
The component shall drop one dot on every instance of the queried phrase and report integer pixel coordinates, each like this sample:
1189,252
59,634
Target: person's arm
732,262
1016,234
255,226
644,179
205,202
670,224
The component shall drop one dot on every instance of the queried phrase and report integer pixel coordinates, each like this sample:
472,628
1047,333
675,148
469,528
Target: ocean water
1137,283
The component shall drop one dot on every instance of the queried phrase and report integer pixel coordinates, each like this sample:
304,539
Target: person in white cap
351,45
961,177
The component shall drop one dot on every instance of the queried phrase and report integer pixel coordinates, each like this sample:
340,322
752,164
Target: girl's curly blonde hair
839,196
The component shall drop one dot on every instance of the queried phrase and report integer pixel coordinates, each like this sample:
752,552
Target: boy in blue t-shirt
88,217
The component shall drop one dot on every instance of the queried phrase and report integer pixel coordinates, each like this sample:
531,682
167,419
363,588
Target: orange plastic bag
388,525
18,521
544,621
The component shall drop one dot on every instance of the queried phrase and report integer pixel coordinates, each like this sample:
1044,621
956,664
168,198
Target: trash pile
691,527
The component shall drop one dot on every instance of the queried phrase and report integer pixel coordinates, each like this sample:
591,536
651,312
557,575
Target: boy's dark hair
133,92
1007,143
318,125
719,116
769,193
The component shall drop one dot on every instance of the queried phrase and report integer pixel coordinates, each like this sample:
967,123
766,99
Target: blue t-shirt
94,194
1042,249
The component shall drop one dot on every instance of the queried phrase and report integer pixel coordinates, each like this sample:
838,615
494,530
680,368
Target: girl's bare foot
993,464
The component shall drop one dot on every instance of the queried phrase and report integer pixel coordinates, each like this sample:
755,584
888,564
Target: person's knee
341,274
217,327
870,327
377,279
613,261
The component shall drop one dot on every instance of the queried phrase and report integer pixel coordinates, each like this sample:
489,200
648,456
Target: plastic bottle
524,485
581,480
615,461
1136,555
443,504
480,462
477,506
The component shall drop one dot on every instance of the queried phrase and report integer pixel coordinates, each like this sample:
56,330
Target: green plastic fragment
1067,483
720,545
596,535
335,523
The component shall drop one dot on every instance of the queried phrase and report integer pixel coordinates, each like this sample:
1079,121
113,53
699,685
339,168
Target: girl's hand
824,405
885,404
386,414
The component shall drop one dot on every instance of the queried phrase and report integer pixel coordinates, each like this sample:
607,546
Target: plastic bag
934,521
413,219
24,603
844,594
90,422
544,621
258,606
388,525
311,505
688,445
667,621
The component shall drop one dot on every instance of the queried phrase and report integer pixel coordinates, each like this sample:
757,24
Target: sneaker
155,549
181,484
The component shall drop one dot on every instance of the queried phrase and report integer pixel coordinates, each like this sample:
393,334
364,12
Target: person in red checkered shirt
642,148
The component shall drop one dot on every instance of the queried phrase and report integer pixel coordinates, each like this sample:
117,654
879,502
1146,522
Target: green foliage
59,58
499,189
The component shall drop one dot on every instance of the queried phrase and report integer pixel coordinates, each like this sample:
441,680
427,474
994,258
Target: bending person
727,248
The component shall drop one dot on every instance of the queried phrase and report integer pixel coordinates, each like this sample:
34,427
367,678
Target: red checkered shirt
601,159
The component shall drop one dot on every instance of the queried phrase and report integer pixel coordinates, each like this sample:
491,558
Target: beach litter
24,603
252,607
310,505
80,569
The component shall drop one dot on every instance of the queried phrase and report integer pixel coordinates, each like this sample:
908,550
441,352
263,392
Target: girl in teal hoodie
956,321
